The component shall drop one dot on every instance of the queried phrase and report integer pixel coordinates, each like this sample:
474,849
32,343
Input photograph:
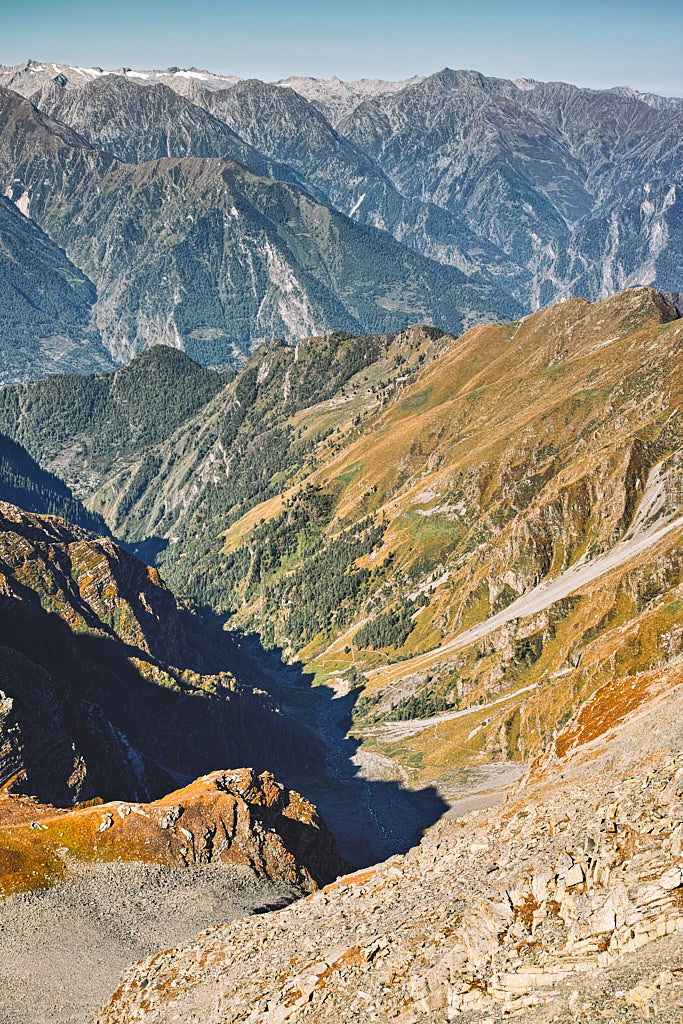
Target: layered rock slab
566,904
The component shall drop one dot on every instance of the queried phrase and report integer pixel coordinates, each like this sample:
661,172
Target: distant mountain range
212,213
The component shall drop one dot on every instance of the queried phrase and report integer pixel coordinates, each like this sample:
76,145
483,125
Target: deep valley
341,524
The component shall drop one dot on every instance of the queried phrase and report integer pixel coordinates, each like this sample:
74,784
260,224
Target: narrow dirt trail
391,732
536,600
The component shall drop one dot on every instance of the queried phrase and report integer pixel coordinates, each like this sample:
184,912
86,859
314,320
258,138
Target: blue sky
598,44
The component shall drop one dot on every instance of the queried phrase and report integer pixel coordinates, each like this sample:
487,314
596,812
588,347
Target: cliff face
235,817
110,687
112,690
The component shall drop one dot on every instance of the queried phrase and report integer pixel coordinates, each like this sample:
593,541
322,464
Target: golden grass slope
519,452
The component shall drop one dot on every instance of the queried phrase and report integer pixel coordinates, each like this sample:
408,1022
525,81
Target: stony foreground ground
564,904
62,950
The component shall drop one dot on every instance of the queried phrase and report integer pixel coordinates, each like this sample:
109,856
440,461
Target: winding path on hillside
367,799
639,539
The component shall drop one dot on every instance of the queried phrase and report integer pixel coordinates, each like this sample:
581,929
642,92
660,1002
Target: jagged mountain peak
21,116
652,99
32,76
139,121
541,192
256,279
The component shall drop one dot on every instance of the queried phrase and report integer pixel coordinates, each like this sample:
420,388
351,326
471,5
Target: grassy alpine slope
519,452
516,515
361,502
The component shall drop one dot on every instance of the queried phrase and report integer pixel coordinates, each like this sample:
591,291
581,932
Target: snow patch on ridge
192,74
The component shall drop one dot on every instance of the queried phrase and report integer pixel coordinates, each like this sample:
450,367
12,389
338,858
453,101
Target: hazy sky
598,43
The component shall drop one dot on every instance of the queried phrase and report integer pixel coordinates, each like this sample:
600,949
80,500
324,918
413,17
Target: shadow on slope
93,716
371,818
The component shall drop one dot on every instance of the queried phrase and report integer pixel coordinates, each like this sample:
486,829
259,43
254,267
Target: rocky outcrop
234,817
116,689
11,762
565,903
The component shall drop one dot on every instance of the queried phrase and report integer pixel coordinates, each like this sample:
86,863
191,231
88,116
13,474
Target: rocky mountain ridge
593,170
114,115
204,255
482,148
33,75
225,818
331,94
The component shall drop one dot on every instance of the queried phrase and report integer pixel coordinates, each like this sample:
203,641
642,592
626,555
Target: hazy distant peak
652,99
337,98
31,77
525,84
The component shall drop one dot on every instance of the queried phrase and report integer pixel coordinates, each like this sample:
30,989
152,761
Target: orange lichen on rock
234,817
611,704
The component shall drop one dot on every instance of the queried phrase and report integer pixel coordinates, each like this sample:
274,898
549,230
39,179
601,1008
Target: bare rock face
234,817
566,903
10,744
